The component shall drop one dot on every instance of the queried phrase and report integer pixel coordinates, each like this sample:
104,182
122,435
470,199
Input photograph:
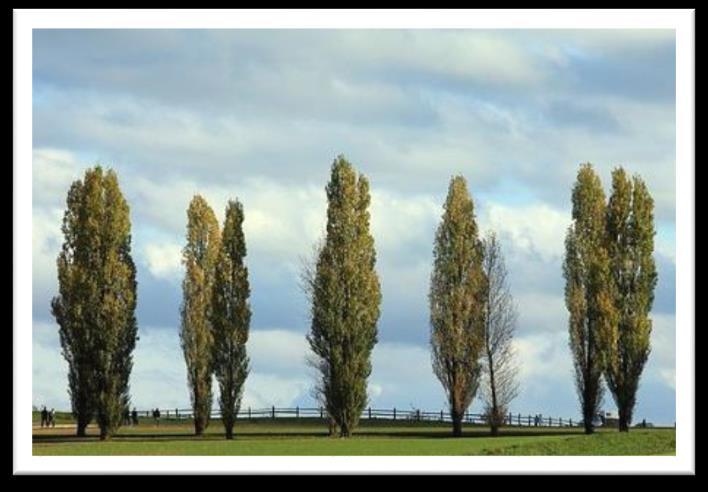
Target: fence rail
512,419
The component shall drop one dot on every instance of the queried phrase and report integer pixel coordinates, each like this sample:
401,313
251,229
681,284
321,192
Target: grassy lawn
308,437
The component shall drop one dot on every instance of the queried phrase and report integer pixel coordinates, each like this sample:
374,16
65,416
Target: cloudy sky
260,115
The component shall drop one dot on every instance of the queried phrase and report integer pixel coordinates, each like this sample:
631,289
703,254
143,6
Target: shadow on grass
247,436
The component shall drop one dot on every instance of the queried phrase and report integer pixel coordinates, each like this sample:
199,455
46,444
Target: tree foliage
630,244
586,271
457,297
95,308
231,316
346,297
500,368
199,257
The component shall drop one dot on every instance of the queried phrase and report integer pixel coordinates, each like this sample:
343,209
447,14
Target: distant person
644,423
51,418
135,416
157,416
45,416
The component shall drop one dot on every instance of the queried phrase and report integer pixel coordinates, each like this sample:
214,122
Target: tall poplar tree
457,302
95,308
199,257
630,244
346,298
231,317
587,295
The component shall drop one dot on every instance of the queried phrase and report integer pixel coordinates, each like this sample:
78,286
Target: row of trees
472,314
610,279
472,311
95,306
609,270
215,311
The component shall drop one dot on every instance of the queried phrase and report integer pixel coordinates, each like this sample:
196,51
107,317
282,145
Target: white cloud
398,221
164,260
541,312
53,171
536,230
661,365
49,369
544,361
46,245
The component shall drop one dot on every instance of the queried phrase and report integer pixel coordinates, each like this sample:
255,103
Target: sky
260,115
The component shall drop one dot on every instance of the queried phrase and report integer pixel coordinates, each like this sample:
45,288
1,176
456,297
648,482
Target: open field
308,437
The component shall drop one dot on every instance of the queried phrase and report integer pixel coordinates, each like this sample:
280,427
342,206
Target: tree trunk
198,427
589,428
456,424
495,429
623,420
230,431
81,425
344,431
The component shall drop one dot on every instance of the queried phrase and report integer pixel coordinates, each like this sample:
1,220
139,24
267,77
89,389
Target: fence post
369,413
321,413
510,417
394,413
518,420
529,420
571,422
273,411
550,422
297,412
441,416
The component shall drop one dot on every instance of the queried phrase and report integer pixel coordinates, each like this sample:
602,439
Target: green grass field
308,437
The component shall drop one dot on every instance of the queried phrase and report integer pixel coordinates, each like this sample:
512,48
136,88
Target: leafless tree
308,268
500,385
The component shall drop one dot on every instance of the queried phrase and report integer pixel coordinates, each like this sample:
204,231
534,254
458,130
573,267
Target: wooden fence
512,419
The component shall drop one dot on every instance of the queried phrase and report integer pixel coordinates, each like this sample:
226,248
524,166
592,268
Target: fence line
512,419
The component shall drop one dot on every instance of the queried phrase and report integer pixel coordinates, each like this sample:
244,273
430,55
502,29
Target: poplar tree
630,244
95,308
587,296
500,368
231,317
199,257
457,302
346,298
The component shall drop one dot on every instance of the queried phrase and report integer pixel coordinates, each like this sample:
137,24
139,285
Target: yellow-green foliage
630,243
95,308
231,316
346,296
457,299
199,257
586,272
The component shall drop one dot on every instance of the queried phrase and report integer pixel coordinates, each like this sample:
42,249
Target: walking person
51,418
44,416
157,416
135,416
